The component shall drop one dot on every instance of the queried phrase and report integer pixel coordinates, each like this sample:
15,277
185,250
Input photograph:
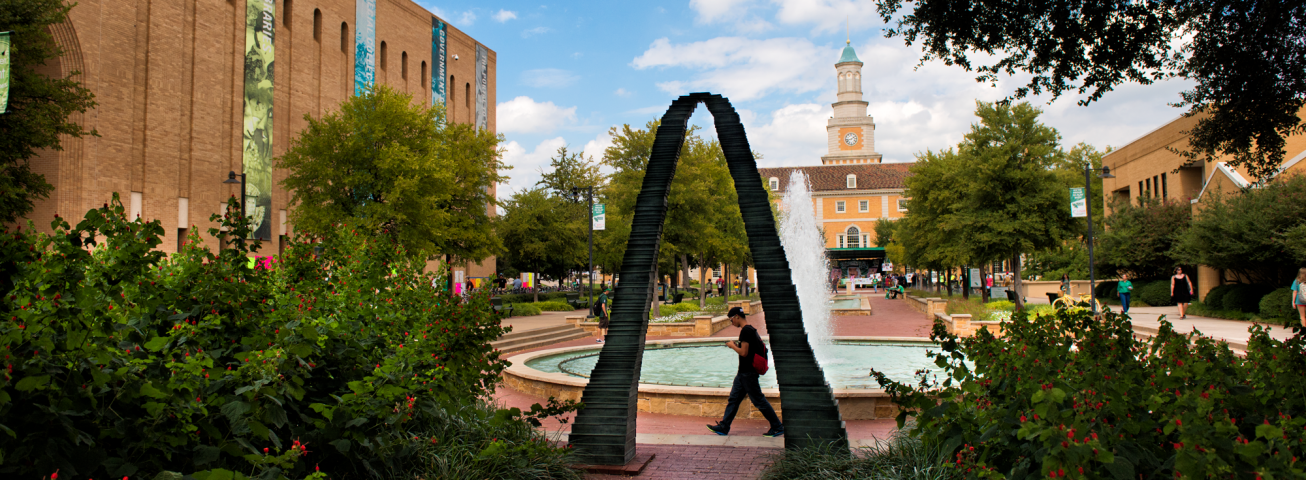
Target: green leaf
155,344
32,383
1268,432
342,445
149,390
234,409
215,474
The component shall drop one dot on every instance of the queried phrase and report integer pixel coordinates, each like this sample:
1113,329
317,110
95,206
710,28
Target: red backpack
760,363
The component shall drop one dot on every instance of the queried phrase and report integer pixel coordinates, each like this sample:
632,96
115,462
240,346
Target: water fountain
804,246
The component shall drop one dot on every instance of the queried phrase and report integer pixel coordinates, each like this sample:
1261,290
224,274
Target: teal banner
365,45
4,70
260,27
440,69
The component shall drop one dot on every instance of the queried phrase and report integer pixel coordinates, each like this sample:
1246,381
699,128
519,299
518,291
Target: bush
1000,305
128,362
1107,289
525,309
1244,298
1278,304
900,456
554,306
1216,295
1155,293
1066,392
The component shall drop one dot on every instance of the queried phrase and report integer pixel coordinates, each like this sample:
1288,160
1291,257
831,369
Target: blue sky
567,72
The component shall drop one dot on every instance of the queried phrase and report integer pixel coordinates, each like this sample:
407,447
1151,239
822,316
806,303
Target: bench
496,303
1011,296
575,301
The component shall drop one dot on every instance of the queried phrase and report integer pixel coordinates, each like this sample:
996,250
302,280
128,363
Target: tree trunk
656,280
702,283
965,283
1015,284
535,288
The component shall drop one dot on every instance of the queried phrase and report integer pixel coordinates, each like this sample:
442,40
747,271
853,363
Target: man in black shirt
748,345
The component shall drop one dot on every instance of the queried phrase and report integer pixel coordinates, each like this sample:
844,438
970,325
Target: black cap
736,311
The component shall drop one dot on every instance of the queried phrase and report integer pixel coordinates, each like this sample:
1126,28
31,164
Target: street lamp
589,195
231,178
1088,194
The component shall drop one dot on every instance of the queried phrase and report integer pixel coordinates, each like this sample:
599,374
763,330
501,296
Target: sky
568,72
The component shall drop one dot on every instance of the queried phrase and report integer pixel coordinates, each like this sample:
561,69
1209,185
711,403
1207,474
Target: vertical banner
257,147
364,45
439,69
1078,204
4,70
482,86
600,218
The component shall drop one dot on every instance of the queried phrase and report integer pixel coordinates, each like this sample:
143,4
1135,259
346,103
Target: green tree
39,105
1139,239
395,167
572,172
997,197
539,232
1254,233
1246,59
886,231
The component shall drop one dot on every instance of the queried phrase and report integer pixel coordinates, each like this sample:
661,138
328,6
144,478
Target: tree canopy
1247,59
1255,233
543,233
1139,239
39,104
395,167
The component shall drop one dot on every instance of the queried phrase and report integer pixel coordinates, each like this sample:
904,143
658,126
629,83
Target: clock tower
850,132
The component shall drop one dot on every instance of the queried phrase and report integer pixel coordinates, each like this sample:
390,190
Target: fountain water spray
804,246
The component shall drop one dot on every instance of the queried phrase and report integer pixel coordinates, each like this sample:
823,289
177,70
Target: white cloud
534,31
794,136
467,18
827,15
549,78
524,115
526,166
743,68
621,92
504,15
594,148
735,12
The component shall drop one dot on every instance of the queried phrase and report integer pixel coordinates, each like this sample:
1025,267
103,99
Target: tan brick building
169,78
1147,167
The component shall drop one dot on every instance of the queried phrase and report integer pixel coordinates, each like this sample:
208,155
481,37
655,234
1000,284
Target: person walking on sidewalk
748,346
1299,295
600,310
1181,291
1124,288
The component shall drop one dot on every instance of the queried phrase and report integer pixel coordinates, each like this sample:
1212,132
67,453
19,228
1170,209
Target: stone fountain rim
518,368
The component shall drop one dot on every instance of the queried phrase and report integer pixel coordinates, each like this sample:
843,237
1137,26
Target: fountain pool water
709,364
805,249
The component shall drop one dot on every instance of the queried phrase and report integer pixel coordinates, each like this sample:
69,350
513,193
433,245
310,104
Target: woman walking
1124,288
1065,284
1299,295
1181,291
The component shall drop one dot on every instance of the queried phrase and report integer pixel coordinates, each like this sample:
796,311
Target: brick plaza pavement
700,462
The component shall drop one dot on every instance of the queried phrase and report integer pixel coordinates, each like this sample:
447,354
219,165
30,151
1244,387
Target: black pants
746,384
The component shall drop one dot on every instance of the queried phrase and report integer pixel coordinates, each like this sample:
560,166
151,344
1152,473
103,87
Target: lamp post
231,178
589,195
1088,197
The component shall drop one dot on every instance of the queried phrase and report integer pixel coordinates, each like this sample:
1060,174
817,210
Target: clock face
850,139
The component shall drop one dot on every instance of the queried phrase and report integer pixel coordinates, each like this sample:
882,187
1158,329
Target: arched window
775,184
424,74
285,13
317,25
344,37
383,52
853,236
448,113
403,65
852,181
467,96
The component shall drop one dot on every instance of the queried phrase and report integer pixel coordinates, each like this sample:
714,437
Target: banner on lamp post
1078,203
4,70
600,217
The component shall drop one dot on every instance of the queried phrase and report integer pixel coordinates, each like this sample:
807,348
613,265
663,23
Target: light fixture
231,177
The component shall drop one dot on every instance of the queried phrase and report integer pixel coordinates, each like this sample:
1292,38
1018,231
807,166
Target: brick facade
169,80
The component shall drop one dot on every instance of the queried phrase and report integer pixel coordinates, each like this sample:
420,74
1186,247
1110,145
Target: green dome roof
848,55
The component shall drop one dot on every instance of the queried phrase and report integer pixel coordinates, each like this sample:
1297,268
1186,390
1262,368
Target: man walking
748,346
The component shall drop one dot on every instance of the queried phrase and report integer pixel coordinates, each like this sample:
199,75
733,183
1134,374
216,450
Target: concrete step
536,331
537,339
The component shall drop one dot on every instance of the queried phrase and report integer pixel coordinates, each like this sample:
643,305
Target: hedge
1155,293
555,306
1215,297
1278,304
1244,298
1107,289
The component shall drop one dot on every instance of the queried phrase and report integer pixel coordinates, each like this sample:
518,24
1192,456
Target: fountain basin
686,377
855,305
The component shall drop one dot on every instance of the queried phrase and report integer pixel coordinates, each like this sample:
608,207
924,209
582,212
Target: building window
317,25
383,51
853,237
775,184
841,240
902,204
1165,192
840,207
852,181
467,95
344,37
863,205
403,65
448,114
423,74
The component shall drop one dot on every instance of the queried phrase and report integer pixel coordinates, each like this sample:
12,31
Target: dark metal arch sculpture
604,432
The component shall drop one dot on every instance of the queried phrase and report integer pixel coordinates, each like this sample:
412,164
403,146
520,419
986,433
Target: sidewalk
543,320
1232,331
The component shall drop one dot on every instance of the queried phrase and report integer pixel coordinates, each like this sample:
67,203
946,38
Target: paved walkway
703,462
1233,331
543,320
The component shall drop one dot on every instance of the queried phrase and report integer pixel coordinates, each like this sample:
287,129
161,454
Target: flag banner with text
439,70
482,86
364,45
600,221
1078,204
5,47
260,26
